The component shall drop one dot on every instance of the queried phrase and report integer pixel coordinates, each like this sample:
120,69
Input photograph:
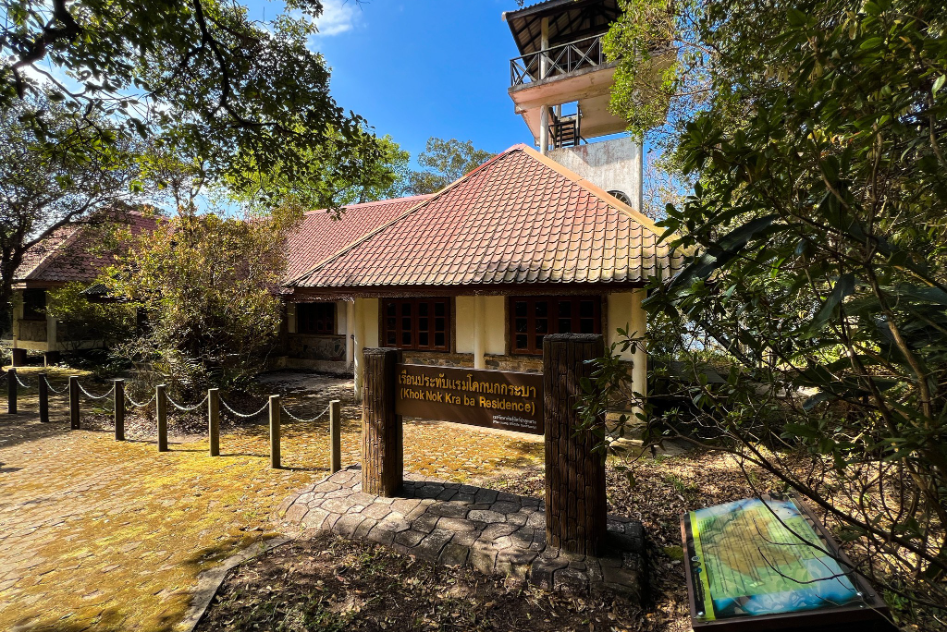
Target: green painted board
753,557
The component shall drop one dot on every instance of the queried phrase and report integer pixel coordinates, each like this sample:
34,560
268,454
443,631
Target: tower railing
559,60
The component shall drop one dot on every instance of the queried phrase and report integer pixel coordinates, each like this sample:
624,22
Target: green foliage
47,183
380,179
819,227
206,284
81,319
445,161
229,94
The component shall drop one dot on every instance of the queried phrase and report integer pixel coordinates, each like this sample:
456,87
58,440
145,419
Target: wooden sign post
382,448
576,509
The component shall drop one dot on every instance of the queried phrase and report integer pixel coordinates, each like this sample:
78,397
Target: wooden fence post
74,402
11,391
213,420
119,405
576,509
43,398
161,412
382,440
274,431
335,436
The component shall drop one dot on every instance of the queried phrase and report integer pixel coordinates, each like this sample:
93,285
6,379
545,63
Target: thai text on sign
498,399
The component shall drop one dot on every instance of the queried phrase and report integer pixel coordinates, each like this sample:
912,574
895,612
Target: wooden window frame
393,328
553,317
304,320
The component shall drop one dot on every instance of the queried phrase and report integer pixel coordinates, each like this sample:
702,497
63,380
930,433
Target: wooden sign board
768,564
494,399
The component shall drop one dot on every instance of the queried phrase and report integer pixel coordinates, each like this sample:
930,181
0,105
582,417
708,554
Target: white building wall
618,316
464,320
341,313
494,313
614,165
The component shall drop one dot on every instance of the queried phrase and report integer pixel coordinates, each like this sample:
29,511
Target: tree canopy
818,279
444,161
236,96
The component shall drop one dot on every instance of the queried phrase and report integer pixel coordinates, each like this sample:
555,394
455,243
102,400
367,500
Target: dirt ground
333,584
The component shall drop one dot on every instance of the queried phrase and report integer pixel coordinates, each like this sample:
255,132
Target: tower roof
569,20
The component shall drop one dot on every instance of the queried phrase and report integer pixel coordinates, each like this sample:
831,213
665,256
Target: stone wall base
462,525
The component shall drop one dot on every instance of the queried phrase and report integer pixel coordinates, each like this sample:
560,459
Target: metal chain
188,409
241,415
55,392
305,421
91,396
136,404
21,382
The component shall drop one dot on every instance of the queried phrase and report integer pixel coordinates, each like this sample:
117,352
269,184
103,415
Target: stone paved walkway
456,525
108,536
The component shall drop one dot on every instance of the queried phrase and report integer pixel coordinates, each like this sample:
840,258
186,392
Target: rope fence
91,396
241,415
160,399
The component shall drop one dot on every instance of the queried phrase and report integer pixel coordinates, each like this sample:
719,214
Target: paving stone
409,537
315,518
455,524
347,524
483,560
449,510
454,555
570,578
335,505
466,538
505,507
484,515
542,571
430,547
404,506
296,513
381,535
487,496
425,523
397,525
497,530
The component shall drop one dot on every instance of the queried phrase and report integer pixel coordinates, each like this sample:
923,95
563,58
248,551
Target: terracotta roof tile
519,218
321,235
68,253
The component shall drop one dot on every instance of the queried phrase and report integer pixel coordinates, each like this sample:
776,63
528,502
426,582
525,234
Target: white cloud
338,16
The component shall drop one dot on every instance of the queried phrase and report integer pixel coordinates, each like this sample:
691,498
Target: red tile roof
519,218
321,234
68,254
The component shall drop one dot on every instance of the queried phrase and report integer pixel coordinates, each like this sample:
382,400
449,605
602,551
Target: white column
543,72
349,332
359,345
480,331
51,333
637,191
17,316
544,130
638,326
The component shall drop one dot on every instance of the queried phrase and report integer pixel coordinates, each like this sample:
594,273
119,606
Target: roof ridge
597,191
360,205
403,215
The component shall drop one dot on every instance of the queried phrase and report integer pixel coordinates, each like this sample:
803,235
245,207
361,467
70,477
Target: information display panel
496,399
754,558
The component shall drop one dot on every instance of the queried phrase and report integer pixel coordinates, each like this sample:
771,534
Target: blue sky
421,68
